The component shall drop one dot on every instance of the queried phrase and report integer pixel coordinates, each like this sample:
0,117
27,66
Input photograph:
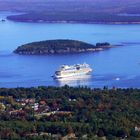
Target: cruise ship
72,71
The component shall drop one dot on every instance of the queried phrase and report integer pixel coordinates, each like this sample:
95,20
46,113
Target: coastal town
23,108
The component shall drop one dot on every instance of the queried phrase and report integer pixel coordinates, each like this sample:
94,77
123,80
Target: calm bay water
119,66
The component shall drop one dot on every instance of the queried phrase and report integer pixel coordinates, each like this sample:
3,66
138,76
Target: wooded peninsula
60,46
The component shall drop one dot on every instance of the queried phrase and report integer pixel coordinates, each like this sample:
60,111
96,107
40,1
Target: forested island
60,46
80,113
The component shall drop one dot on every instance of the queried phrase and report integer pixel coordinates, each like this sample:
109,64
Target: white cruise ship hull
73,75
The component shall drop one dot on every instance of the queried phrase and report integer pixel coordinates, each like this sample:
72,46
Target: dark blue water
119,66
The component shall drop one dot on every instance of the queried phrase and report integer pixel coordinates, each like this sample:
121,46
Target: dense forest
45,113
60,46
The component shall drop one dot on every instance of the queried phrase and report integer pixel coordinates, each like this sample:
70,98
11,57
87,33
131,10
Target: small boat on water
117,79
72,71
2,20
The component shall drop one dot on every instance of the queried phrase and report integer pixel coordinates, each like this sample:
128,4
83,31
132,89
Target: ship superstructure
66,71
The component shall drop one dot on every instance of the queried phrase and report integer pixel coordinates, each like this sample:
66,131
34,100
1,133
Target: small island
59,46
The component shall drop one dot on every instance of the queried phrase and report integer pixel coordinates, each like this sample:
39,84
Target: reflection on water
73,81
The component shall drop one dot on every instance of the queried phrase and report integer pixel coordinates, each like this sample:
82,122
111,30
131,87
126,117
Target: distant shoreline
74,22
115,19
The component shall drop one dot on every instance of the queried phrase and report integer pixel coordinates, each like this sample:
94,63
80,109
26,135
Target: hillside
59,47
88,114
83,11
